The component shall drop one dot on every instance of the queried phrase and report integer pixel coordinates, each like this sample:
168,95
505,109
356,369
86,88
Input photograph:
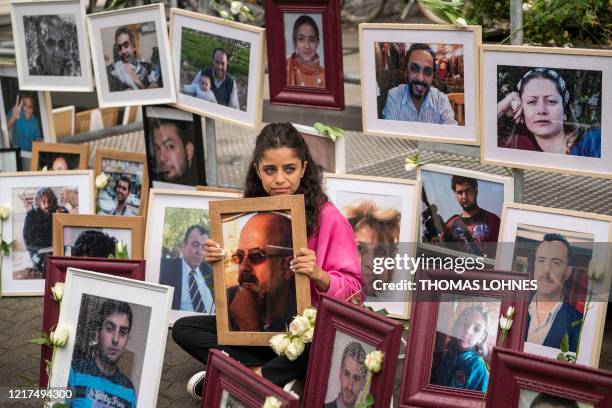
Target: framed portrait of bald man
420,81
131,56
257,294
51,46
568,254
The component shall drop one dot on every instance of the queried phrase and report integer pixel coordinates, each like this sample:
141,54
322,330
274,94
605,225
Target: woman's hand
305,263
511,106
213,251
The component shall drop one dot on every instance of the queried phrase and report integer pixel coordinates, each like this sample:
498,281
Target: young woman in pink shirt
282,165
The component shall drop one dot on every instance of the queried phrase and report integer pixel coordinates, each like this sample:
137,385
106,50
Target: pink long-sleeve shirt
336,252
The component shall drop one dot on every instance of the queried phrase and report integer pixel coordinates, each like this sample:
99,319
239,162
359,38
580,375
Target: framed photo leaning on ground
51,47
257,295
128,185
131,56
420,81
116,323
560,249
330,154
526,381
221,64
59,156
385,226
307,63
25,116
228,383
178,227
550,113
33,198
97,236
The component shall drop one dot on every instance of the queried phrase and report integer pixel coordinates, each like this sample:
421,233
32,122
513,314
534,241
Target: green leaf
561,356
332,131
383,312
575,323
60,405
369,400
40,341
564,346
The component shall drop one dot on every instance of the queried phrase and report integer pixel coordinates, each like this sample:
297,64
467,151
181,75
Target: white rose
460,22
4,212
279,343
120,247
311,314
595,271
299,325
510,312
235,7
505,323
101,181
57,291
272,402
307,335
527,7
373,361
59,337
294,349
409,167
224,14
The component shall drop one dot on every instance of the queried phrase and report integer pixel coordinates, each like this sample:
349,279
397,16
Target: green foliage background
176,222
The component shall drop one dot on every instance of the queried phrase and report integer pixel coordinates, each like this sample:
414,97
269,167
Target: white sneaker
195,385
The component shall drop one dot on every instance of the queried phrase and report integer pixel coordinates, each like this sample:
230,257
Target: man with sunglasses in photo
418,100
126,72
264,298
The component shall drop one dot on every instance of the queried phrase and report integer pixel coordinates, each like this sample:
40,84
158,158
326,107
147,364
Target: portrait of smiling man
223,84
96,380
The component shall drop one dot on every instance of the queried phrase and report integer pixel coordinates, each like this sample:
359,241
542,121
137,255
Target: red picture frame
513,370
332,95
382,333
56,267
416,389
226,374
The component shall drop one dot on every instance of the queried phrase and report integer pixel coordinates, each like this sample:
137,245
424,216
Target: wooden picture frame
96,223
120,157
163,243
437,194
398,199
55,150
506,143
23,269
10,164
291,87
429,312
87,295
211,32
514,372
588,236
267,209
338,324
226,376
219,190
64,120
330,154
55,268
457,100
113,90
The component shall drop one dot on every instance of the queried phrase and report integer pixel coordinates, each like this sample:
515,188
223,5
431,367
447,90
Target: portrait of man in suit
190,275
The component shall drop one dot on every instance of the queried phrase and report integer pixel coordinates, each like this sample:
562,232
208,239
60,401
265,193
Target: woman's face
542,107
280,171
306,42
471,329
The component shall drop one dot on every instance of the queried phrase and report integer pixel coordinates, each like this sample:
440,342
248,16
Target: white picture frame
339,153
576,227
159,201
465,40
512,62
217,30
145,21
70,14
25,183
390,194
147,301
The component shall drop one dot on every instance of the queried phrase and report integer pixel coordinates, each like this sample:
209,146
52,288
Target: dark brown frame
225,373
373,328
55,271
416,390
512,370
330,97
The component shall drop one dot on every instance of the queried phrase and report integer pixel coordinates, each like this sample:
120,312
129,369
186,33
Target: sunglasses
258,255
416,68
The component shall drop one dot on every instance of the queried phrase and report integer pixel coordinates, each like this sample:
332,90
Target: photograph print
24,115
221,67
550,112
535,399
424,86
97,242
173,140
131,56
10,159
59,156
56,52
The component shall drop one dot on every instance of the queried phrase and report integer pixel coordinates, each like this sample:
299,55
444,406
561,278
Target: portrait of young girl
305,61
